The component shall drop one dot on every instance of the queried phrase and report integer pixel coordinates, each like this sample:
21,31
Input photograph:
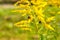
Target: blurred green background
8,1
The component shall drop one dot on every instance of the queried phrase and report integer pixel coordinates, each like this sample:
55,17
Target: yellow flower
30,18
21,23
37,2
41,19
50,19
38,6
54,2
49,27
17,3
38,11
22,4
42,4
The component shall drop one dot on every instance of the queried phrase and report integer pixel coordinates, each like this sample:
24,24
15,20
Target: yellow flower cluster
54,2
37,6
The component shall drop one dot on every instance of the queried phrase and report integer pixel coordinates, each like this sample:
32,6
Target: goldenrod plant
38,15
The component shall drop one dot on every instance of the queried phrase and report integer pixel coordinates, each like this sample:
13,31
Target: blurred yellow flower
54,2
41,19
50,19
21,23
30,18
37,6
24,22
58,12
49,27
